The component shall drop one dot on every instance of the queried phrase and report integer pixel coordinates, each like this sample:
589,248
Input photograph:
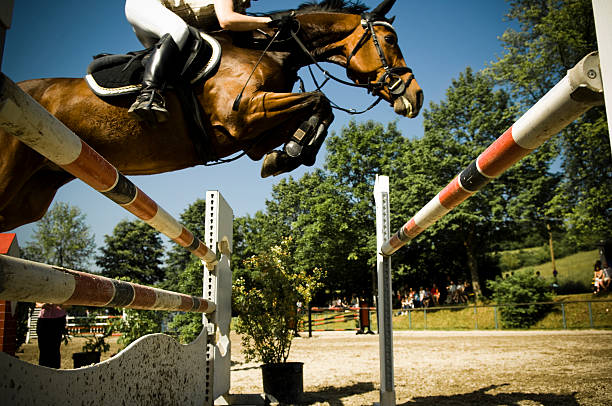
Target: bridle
390,79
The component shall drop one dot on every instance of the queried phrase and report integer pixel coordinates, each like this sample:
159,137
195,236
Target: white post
602,9
218,284
385,304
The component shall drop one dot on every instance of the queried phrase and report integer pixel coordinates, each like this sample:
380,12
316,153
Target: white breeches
151,21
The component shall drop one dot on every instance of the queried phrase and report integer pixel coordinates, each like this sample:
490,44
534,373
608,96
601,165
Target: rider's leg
152,20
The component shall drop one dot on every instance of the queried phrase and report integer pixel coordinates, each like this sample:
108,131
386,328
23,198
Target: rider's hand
284,25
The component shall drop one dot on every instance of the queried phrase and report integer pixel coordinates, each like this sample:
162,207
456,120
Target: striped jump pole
24,118
580,90
28,281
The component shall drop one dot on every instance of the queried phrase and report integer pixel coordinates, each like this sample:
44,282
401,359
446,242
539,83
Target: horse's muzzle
410,101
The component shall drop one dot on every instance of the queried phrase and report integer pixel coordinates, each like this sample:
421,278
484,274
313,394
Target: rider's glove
284,26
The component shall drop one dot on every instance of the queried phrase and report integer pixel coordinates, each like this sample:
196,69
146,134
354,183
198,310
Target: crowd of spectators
456,293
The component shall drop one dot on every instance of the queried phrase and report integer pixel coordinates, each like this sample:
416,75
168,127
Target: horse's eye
391,39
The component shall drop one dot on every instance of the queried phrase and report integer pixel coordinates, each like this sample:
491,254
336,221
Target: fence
79,326
562,315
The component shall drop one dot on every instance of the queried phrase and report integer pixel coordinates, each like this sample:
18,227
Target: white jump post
384,304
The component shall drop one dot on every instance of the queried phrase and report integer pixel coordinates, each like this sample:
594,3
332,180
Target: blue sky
439,39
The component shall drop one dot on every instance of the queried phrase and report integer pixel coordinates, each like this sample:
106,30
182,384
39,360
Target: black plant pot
82,359
284,381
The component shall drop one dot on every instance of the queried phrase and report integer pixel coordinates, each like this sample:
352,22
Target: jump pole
29,281
22,117
580,90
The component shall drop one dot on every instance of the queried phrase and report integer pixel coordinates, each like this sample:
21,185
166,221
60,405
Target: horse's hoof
277,162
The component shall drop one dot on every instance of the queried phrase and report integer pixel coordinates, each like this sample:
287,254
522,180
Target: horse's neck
325,35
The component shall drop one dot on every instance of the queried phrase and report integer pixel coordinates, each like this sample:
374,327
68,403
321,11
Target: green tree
178,257
134,250
62,238
189,281
552,36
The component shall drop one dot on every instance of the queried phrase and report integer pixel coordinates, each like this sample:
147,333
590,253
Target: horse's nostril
420,98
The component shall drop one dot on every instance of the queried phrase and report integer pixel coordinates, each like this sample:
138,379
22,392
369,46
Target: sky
438,38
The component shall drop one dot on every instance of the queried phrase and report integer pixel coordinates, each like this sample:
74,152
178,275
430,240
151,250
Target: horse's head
368,49
374,58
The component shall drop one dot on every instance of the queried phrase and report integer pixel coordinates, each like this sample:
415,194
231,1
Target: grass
575,271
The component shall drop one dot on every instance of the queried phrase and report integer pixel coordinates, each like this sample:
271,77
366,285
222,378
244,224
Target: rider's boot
277,162
150,105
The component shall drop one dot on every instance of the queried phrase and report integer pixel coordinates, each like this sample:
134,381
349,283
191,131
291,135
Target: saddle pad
117,75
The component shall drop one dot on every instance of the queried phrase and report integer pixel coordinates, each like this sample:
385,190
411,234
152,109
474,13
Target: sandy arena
450,368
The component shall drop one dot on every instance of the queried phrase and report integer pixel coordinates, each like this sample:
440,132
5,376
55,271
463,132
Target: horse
267,116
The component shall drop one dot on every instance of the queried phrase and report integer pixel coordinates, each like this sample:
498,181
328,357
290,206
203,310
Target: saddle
120,75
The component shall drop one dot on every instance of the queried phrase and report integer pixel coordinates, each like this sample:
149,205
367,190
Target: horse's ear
383,8
391,20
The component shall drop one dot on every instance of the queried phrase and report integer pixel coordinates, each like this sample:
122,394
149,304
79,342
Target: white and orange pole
22,117
580,90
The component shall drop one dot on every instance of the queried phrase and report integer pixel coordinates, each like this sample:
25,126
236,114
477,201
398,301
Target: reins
396,87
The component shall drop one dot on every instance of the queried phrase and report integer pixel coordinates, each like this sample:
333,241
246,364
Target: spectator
435,295
607,274
50,329
597,277
426,297
451,293
416,299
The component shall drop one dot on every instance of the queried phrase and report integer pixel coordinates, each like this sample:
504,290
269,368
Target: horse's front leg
298,120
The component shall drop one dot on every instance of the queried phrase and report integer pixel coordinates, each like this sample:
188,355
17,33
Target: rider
163,24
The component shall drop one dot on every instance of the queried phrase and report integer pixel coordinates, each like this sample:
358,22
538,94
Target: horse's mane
338,6
330,6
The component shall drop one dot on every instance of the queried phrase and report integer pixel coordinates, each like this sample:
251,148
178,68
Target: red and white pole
580,90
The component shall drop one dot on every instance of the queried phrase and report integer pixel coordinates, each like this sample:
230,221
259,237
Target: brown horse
267,117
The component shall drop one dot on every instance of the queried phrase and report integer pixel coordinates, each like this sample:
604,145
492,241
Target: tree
62,238
178,257
553,36
135,251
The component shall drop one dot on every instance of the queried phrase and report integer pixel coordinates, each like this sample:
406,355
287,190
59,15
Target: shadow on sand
480,397
333,395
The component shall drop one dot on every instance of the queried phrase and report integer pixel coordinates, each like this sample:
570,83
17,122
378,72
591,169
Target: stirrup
150,107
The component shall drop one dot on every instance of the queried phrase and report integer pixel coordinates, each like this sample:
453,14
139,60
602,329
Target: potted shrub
94,346
265,300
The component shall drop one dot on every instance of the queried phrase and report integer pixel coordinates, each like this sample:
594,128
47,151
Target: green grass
575,271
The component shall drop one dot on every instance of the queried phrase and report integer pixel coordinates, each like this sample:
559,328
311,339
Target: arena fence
595,314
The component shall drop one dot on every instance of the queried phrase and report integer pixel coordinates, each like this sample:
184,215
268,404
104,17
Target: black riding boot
150,105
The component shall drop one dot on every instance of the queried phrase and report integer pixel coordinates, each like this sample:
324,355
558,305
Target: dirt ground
440,368
450,368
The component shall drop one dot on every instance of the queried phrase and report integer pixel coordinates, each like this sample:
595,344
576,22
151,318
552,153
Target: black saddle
119,75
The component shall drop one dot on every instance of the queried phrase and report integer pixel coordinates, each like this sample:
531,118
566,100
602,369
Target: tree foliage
266,302
135,251
553,35
62,238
